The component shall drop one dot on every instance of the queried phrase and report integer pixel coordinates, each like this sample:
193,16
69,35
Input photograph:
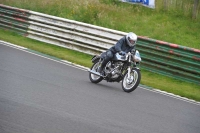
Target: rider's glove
122,53
133,51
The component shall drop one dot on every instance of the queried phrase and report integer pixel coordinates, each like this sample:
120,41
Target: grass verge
185,89
170,26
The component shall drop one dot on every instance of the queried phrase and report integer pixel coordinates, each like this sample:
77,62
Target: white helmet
131,39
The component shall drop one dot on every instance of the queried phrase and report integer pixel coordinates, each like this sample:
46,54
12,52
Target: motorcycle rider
124,45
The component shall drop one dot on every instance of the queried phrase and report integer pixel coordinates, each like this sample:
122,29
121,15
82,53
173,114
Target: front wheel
94,78
131,83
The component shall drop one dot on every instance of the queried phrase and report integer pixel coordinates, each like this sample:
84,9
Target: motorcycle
123,68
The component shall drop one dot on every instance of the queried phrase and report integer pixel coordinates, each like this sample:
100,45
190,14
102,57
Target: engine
113,69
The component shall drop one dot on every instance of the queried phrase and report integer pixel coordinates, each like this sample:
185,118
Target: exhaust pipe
96,73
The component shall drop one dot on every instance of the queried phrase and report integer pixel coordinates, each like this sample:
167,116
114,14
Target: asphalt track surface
38,95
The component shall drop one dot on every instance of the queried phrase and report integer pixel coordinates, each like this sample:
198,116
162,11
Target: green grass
157,81
62,53
174,25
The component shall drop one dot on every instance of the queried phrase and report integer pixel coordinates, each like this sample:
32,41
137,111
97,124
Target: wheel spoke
130,83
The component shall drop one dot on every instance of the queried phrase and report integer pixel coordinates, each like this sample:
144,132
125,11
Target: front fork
129,65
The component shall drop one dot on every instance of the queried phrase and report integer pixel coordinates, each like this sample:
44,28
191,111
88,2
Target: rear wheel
94,78
131,83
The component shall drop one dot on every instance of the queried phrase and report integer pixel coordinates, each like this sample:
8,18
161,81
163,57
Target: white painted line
76,65
25,50
173,96
12,45
86,69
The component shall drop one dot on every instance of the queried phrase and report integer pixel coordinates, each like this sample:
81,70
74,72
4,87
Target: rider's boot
103,64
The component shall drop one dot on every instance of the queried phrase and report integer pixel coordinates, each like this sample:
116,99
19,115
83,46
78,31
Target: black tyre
94,78
130,84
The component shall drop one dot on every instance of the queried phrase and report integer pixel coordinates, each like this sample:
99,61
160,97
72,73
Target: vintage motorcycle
123,68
